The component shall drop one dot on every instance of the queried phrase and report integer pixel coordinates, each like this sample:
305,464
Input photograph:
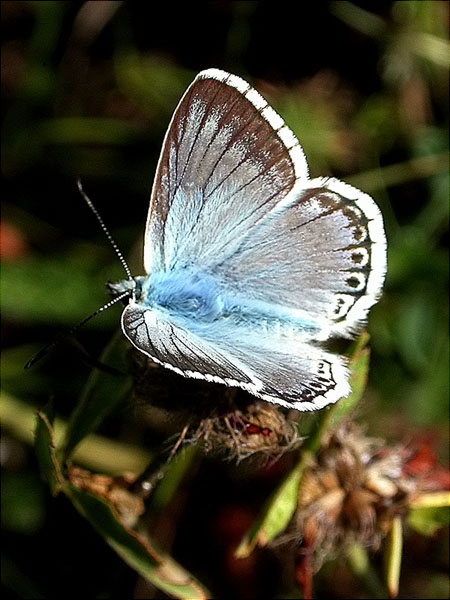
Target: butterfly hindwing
322,254
275,367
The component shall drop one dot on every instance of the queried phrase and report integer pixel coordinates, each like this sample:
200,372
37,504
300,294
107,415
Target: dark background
87,91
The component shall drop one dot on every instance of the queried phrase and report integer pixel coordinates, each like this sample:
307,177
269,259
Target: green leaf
174,472
45,450
359,562
139,553
275,516
153,85
359,371
393,556
101,395
96,452
428,519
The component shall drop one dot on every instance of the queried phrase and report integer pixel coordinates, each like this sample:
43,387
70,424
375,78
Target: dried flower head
257,427
351,491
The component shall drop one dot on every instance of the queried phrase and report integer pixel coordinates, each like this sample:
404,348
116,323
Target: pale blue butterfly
251,266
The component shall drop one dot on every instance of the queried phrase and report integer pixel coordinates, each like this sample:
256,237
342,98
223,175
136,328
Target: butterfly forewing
224,165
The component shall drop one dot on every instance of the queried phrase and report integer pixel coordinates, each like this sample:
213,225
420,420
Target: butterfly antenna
62,336
127,293
107,233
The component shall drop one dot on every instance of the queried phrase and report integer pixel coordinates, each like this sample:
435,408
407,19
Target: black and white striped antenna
127,293
105,230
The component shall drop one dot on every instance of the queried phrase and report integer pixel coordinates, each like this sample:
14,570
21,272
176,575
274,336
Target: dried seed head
258,427
351,492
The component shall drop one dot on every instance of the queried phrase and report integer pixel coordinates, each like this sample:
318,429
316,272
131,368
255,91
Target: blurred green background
88,91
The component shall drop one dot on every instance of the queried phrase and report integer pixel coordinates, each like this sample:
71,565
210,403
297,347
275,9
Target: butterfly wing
321,251
227,160
285,371
295,260
232,196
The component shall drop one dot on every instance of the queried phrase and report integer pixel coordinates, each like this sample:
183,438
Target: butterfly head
119,288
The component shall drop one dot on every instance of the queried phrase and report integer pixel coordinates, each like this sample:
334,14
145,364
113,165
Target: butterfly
251,266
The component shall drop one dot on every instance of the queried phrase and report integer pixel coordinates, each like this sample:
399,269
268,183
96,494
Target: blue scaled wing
227,160
296,261
270,365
